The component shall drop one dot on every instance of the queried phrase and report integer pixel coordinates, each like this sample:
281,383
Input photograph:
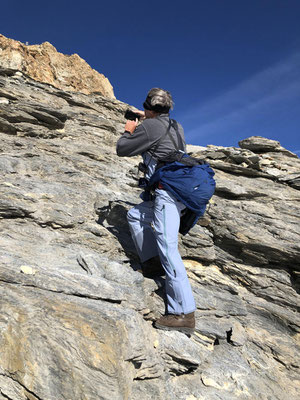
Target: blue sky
232,66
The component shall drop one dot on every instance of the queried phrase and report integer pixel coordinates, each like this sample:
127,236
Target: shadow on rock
114,218
295,281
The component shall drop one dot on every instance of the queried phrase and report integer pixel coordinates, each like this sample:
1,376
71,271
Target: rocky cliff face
45,64
76,315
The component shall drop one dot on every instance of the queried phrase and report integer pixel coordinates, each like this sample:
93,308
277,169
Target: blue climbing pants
154,228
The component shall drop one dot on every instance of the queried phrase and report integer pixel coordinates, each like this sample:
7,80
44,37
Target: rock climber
154,223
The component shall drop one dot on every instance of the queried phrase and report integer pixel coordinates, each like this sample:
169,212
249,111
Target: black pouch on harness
187,221
143,183
142,167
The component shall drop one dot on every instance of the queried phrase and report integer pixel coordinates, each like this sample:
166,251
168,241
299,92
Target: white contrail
264,97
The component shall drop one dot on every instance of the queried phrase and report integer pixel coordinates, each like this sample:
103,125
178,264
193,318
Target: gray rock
258,143
76,313
237,335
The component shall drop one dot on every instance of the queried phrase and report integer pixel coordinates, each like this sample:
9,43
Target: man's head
158,101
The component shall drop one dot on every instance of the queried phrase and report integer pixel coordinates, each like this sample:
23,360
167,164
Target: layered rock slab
71,295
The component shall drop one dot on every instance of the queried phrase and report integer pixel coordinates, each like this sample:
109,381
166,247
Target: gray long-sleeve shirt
146,136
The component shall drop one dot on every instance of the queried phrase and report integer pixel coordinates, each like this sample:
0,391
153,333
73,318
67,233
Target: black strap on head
147,104
157,108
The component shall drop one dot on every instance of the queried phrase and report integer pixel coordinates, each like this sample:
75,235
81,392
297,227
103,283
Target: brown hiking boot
153,268
184,322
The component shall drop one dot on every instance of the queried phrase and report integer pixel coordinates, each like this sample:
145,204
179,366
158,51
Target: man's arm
132,144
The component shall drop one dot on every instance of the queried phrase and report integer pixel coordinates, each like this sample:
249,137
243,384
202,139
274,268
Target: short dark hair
158,100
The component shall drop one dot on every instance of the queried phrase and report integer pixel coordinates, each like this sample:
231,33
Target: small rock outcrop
76,314
45,64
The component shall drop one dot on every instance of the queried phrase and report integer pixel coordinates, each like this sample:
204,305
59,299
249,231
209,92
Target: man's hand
139,112
131,125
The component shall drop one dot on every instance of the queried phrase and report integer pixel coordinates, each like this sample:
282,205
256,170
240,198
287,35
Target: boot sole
182,329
